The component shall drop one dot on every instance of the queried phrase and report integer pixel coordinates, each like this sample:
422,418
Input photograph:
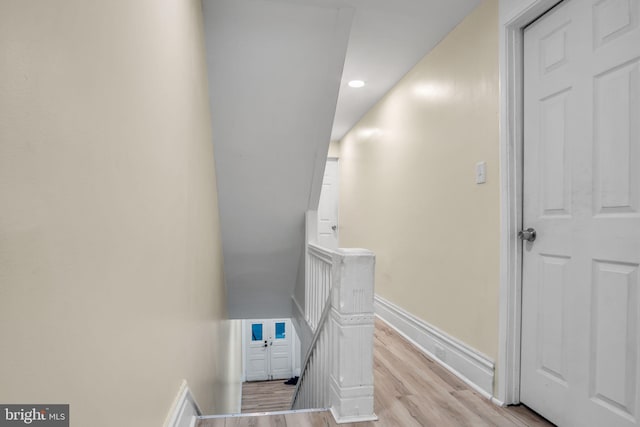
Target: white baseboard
239,401
471,366
184,410
261,414
355,419
497,402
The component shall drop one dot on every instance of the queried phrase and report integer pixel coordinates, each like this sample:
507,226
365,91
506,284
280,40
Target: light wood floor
410,390
267,396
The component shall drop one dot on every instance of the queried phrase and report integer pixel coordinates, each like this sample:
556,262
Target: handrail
324,254
312,346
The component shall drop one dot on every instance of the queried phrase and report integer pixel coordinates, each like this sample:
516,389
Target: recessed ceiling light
356,83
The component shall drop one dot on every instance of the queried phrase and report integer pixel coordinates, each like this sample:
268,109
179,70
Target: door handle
529,234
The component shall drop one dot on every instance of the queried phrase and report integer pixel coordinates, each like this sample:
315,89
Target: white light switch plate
481,172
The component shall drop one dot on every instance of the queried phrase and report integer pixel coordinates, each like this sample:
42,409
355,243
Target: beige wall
408,188
334,149
111,281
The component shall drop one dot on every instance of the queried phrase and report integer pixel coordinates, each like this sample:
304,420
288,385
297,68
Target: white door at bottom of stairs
580,362
268,349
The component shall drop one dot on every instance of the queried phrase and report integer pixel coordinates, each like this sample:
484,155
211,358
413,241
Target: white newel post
351,336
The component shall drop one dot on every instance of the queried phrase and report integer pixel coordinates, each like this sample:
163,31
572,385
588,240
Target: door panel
616,172
281,350
580,313
552,328
614,340
554,168
257,351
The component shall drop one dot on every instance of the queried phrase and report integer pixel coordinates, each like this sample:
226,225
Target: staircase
336,331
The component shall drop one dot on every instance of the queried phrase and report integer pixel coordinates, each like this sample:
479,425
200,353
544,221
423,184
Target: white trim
310,235
324,254
243,377
295,351
184,410
298,312
512,21
497,402
261,414
239,407
304,331
352,419
471,366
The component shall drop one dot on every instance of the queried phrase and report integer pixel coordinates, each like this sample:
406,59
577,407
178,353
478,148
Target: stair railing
318,282
314,369
337,372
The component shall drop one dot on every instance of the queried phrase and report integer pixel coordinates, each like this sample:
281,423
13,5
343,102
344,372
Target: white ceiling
388,37
276,74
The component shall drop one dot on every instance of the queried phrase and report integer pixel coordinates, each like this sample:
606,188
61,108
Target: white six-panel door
580,327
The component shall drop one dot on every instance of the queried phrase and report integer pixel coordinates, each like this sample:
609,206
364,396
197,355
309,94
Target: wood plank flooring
304,419
267,396
410,390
